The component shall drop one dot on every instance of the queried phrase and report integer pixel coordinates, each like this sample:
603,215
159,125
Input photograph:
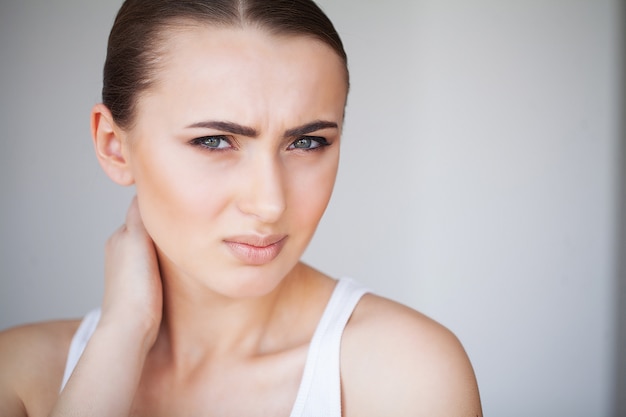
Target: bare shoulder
396,361
32,361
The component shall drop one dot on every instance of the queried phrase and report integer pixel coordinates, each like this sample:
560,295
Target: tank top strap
320,389
79,342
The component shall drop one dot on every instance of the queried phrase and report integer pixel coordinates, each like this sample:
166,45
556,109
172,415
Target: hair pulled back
135,46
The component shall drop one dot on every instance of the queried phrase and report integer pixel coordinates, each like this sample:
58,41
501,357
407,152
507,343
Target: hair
136,42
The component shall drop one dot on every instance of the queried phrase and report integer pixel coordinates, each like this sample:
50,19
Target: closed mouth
254,249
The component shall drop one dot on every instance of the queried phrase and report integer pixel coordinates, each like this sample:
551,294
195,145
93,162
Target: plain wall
619,367
479,180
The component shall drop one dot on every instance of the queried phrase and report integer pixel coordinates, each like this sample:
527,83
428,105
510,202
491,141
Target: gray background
483,160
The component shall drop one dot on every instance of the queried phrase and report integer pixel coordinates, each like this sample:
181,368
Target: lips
254,249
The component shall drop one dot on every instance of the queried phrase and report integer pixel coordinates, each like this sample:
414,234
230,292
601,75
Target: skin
187,326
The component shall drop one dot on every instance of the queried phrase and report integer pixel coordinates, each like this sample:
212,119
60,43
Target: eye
212,142
308,142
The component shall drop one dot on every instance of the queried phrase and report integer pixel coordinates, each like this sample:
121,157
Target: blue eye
212,142
308,143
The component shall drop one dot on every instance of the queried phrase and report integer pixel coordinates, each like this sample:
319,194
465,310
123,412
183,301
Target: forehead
246,71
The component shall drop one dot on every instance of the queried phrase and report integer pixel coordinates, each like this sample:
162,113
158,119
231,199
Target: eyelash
203,143
321,143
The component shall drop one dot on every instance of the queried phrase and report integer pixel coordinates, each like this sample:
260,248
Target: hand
133,291
109,371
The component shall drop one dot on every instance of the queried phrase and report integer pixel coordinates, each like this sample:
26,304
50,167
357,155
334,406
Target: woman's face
235,152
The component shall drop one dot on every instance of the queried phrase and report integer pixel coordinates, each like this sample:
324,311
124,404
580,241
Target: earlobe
109,146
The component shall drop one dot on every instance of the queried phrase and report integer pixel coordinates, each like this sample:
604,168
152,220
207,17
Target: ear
110,145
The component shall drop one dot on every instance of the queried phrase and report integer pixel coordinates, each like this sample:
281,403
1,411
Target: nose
263,193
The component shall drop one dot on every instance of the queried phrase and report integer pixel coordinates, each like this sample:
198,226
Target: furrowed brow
310,128
228,127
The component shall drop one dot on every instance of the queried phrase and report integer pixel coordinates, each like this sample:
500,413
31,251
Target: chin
251,281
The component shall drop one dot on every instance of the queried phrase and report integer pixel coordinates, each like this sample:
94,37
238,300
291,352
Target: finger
133,217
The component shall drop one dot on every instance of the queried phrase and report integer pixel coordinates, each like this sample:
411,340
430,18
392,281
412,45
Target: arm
106,377
32,360
11,404
400,363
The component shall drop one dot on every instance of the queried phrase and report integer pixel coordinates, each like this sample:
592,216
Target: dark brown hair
136,41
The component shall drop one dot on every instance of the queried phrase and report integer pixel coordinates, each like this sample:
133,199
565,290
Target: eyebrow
229,127
310,128
237,129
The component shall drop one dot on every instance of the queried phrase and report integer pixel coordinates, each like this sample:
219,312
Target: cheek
177,197
311,190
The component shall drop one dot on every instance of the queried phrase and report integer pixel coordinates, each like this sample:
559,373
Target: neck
199,323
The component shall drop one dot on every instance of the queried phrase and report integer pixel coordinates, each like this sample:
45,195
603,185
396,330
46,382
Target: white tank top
320,388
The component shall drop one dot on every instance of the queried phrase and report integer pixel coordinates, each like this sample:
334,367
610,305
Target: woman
226,116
